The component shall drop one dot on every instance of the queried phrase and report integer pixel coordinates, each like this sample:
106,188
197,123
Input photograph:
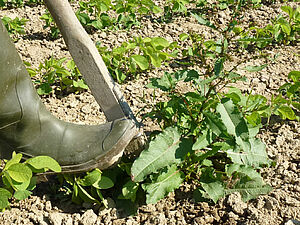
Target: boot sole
104,161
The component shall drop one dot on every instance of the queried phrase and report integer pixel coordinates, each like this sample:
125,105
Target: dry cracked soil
282,138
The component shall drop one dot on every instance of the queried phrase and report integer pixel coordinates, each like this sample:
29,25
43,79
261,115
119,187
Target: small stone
68,220
76,218
86,109
233,216
149,208
48,206
103,35
104,211
268,204
89,218
235,201
56,218
73,104
130,221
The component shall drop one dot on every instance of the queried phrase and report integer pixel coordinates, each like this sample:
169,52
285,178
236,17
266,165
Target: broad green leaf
234,97
41,162
15,159
215,124
159,43
79,84
286,112
219,66
204,140
238,168
21,186
287,9
253,131
286,28
120,75
141,61
90,178
6,180
165,183
255,68
186,75
22,194
19,172
156,9
236,77
194,97
294,90
207,162
183,36
4,196
250,189
203,21
256,103
255,156
234,121
294,75
224,146
155,60
212,185
215,190
296,105
104,183
44,89
166,149
279,100
32,183
164,83
119,50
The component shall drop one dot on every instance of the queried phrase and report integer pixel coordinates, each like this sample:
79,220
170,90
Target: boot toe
121,130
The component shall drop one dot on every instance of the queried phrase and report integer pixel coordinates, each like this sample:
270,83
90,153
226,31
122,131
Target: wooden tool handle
89,61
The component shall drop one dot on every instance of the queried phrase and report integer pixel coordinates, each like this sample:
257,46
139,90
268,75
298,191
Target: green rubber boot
27,127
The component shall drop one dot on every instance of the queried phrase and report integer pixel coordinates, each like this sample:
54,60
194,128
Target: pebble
235,201
88,218
56,218
48,206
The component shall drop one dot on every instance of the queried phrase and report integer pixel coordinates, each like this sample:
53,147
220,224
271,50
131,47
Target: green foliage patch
18,3
57,75
14,26
88,188
18,180
136,55
116,14
284,29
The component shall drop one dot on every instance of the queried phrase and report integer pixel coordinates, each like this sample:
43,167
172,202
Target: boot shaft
20,107
10,66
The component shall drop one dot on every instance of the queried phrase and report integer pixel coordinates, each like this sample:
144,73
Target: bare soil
282,138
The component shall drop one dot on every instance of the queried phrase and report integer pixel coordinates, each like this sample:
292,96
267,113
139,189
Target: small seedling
57,75
14,26
87,188
54,31
124,60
